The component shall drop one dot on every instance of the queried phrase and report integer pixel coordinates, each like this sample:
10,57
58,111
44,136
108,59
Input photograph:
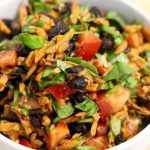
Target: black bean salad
73,77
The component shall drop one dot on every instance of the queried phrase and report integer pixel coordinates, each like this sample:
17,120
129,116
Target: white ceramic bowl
8,9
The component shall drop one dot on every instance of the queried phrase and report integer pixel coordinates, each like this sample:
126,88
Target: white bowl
8,9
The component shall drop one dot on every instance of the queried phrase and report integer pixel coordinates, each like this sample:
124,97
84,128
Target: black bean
107,43
146,121
1,109
82,128
127,50
3,93
80,97
71,48
78,82
12,117
35,111
119,139
22,51
59,28
142,101
36,121
97,12
72,100
75,69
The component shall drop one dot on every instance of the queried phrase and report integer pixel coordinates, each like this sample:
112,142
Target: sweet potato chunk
57,134
8,58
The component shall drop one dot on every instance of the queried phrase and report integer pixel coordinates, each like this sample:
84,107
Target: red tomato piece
25,143
61,91
104,105
89,45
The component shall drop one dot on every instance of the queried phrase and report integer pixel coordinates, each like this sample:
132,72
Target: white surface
8,9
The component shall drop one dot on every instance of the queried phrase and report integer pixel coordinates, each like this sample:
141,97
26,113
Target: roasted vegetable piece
56,135
112,103
8,58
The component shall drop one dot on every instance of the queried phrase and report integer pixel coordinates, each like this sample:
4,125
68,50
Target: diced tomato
61,91
89,45
57,134
112,103
8,58
105,108
24,142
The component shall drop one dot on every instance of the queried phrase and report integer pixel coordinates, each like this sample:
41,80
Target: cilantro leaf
88,106
47,71
63,112
118,70
32,41
112,15
58,79
85,64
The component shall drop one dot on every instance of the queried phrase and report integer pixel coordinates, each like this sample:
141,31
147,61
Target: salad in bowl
73,77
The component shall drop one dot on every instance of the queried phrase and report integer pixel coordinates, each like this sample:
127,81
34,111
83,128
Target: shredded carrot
74,12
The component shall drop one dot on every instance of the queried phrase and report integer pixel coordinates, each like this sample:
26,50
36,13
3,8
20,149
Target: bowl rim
124,145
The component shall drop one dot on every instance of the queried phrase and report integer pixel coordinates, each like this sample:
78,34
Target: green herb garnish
63,112
85,64
32,41
113,16
118,39
58,79
88,106
47,71
29,29
118,70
